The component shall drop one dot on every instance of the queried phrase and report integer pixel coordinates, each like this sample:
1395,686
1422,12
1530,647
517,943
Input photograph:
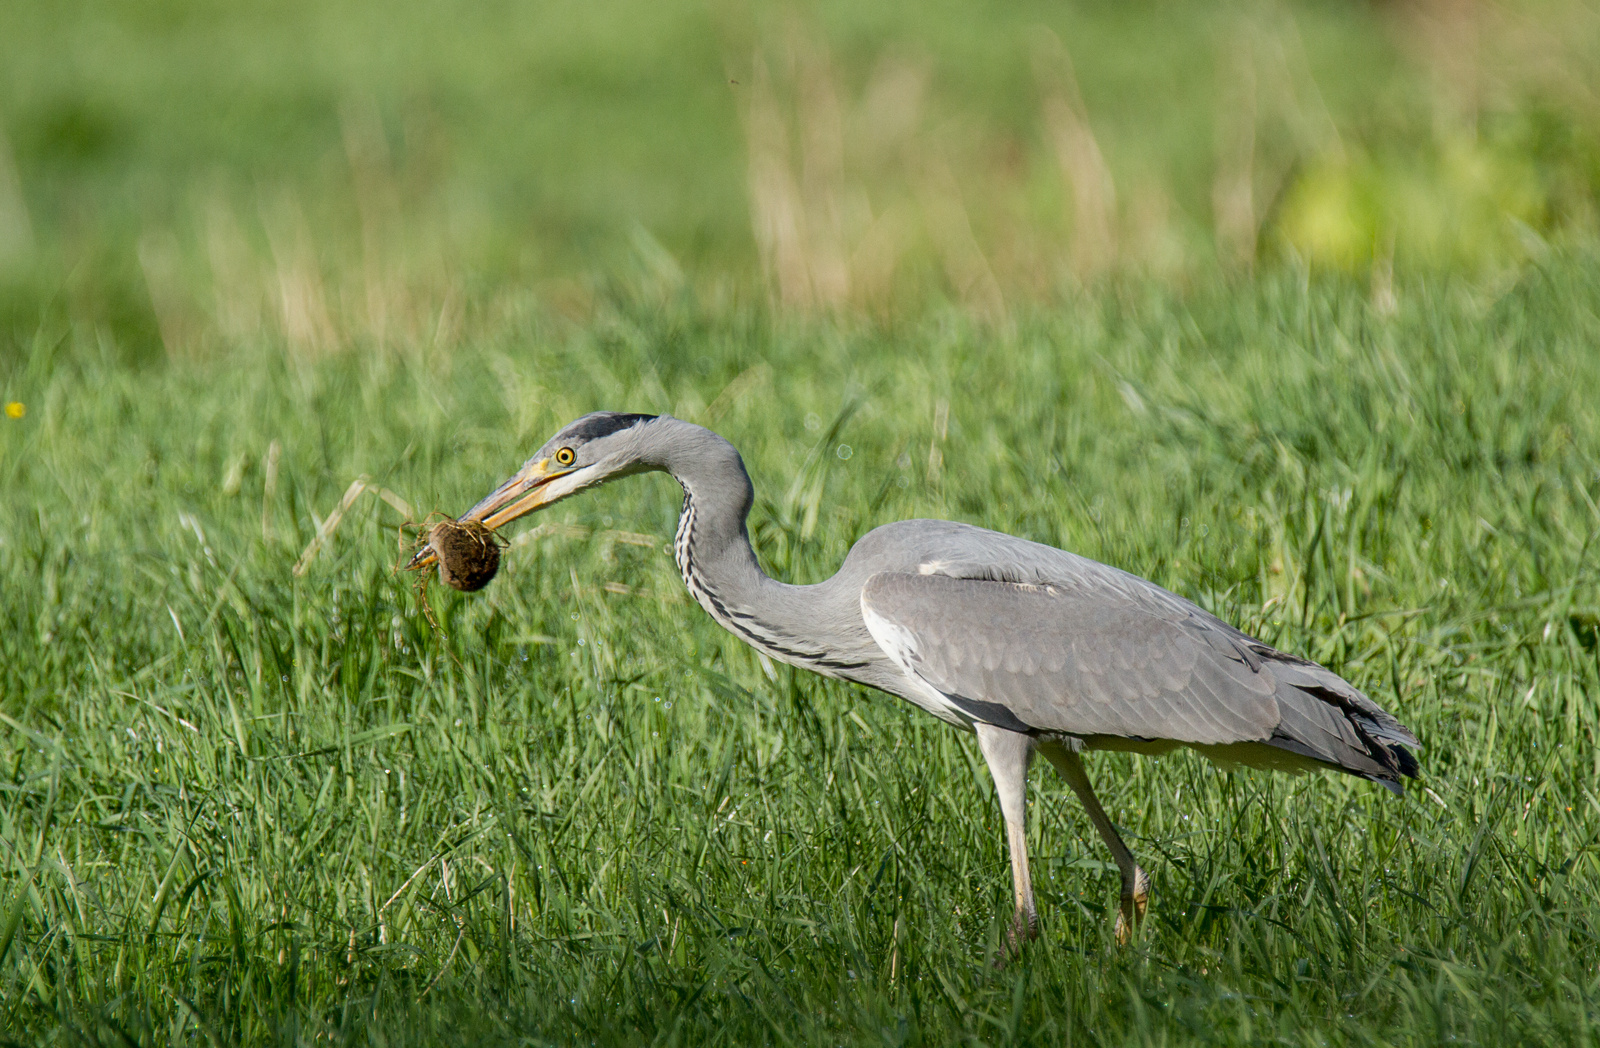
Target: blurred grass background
181,176
1289,307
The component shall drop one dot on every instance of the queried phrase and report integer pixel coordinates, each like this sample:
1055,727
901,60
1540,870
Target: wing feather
1077,660
991,627
1104,654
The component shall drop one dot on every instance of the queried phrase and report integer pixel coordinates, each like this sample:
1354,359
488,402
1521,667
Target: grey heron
1031,648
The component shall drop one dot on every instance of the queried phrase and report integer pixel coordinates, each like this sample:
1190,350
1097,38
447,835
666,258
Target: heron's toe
1024,928
1130,915
1135,901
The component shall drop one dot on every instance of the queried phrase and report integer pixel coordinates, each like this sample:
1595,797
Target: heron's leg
1135,885
1008,754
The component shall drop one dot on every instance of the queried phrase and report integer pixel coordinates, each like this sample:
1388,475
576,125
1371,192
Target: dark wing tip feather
1329,720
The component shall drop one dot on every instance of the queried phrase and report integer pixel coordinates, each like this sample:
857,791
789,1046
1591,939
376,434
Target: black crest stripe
604,423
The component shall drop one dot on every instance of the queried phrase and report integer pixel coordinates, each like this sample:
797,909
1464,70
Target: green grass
250,253
532,137
241,807
172,168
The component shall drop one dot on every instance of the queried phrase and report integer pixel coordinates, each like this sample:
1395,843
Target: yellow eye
565,456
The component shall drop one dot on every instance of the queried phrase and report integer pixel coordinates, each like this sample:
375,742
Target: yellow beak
525,492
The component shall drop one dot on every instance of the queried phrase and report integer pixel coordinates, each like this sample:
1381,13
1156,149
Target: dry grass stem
1083,166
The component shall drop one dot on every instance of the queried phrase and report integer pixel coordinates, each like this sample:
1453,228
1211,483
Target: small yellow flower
16,409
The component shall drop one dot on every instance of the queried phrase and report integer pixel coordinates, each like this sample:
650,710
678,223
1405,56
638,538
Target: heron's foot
1024,927
1134,904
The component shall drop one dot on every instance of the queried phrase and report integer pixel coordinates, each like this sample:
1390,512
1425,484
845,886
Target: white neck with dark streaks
719,566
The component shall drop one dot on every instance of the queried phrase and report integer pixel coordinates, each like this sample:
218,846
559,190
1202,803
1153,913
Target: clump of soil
469,554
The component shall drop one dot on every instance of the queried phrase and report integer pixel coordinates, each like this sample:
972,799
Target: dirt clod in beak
468,552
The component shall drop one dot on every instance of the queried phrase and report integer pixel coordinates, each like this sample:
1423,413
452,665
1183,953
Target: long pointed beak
518,496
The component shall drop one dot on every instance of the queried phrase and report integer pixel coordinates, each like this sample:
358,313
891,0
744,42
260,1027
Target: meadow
275,285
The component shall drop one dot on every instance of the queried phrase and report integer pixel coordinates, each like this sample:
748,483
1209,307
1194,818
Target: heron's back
1034,638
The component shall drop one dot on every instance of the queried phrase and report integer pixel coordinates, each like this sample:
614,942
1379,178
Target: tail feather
1336,691
1339,726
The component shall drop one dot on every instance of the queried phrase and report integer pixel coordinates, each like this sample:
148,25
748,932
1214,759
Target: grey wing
1117,656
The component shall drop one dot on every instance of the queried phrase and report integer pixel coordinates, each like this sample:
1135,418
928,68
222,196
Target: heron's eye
565,456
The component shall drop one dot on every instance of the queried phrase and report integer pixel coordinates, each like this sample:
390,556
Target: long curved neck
714,555
712,546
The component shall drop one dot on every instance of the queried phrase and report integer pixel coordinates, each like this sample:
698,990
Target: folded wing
1120,657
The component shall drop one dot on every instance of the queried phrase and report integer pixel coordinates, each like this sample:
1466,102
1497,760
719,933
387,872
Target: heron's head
590,450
